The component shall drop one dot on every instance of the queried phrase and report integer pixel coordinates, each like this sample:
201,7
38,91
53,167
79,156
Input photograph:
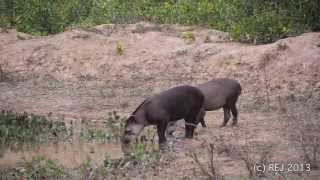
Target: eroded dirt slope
85,63
86,73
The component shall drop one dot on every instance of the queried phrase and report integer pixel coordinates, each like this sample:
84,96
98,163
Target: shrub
246,20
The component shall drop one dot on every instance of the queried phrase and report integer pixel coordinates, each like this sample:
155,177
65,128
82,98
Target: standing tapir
182,102
222,93
219,93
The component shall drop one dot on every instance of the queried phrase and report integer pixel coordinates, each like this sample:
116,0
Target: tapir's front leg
161,129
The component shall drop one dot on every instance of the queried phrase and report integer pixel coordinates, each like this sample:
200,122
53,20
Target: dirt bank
88,72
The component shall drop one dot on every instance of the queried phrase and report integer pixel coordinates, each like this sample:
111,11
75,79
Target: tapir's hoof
170,134
189,136
223,125
163,147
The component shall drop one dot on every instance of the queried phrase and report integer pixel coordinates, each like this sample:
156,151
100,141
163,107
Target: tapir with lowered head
182,102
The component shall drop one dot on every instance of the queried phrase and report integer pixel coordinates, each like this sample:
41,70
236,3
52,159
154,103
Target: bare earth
80,74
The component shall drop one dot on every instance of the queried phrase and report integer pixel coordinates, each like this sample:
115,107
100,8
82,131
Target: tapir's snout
127,136
125,140
125,144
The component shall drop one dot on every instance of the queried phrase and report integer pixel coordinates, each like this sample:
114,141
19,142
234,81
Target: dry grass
210,169
3,75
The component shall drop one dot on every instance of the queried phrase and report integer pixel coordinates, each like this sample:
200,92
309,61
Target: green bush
247,20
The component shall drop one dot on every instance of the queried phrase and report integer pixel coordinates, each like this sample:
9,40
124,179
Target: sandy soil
80,74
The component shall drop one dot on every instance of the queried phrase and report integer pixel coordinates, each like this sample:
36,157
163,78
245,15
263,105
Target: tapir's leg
203,123
226,111
190,126
161,128
171,128
234,114
201,116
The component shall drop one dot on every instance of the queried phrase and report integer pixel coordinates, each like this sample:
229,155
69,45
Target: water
70,153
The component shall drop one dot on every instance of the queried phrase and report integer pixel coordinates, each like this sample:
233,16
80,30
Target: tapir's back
177,102
218,91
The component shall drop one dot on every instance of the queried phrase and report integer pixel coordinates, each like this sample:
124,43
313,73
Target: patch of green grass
111,132
85,168
94,134
115,125
38,168
24,127
140,155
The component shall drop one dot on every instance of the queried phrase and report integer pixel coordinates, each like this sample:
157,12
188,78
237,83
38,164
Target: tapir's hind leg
226,111
201,116
234,110
234,114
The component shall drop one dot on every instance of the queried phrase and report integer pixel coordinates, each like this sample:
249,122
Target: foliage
211,171
41,167
24,127
119,49
90,134
139,155
188,37
111,131
246,20
38,168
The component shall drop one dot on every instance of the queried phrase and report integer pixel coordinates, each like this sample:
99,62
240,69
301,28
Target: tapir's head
133,127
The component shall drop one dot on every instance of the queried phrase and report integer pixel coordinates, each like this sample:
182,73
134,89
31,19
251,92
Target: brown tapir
182,102
219,93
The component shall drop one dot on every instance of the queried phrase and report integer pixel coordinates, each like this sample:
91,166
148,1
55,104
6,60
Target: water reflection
68,154
85,141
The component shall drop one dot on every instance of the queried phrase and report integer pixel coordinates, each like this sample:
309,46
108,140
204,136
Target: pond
69,142
67,154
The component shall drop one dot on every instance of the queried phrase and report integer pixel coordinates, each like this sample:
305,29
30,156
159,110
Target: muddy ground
87,72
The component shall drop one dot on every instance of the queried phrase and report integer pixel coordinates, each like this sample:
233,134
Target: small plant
310,145
247,154
140,155
251,153
86,169
115,125
188,36
282,46
91,134
3,75
119,49
210,170
139,29
302,117
207,39
110,130
41,168
24,127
